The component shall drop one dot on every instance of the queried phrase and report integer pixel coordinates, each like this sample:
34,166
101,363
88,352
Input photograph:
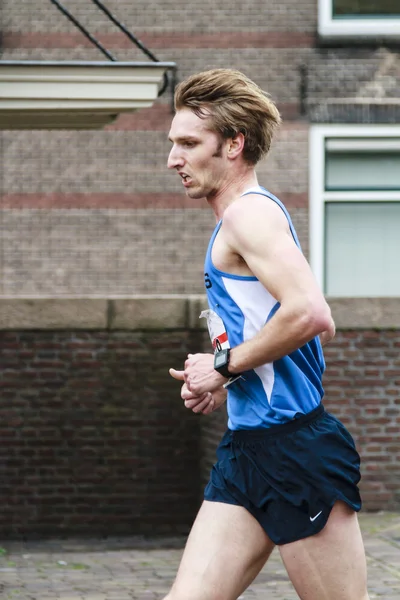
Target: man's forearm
283,334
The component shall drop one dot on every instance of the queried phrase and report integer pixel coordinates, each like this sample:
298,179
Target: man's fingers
192,401
187,394
201,406
209,408
198,403
177,374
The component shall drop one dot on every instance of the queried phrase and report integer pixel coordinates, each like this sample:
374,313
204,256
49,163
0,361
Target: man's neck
231,192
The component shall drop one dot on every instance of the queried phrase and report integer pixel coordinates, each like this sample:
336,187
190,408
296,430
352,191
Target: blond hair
234,104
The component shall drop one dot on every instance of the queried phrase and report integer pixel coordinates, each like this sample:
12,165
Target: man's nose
174,159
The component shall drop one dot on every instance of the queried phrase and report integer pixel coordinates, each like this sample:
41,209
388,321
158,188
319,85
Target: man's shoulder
254,208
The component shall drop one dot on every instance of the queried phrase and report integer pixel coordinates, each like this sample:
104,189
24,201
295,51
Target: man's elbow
327,335
319,321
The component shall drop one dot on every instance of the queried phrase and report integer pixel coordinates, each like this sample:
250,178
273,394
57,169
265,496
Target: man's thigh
330,565
225,551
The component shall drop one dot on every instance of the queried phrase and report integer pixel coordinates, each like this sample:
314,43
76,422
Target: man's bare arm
258,231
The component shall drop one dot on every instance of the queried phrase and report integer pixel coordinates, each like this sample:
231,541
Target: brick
208,17
120,446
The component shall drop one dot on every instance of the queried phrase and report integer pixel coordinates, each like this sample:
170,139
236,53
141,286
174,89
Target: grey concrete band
167,312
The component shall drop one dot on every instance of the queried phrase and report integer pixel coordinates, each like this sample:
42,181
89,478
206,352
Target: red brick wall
124,166
362,387
93,436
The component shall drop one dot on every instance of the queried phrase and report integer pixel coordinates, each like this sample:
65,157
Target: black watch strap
221,362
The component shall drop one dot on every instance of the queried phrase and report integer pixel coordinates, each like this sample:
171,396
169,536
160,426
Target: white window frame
318,196
354,27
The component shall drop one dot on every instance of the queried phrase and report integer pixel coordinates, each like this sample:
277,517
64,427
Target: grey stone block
365,313
149,312
44,313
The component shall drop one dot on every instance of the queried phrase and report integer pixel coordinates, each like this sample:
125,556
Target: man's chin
194,195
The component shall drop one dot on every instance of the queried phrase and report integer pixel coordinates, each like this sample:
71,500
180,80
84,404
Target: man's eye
189,144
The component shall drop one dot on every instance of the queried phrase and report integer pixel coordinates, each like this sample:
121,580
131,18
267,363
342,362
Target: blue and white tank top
239,306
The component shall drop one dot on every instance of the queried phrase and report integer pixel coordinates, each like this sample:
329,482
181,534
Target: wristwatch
221,362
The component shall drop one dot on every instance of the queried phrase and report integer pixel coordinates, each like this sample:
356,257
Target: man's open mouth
186,179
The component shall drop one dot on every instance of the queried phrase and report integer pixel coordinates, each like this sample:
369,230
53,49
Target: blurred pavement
135,569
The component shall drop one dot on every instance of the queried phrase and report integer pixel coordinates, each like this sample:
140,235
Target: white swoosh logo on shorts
316,516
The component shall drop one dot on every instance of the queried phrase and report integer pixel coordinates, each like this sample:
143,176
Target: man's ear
236,145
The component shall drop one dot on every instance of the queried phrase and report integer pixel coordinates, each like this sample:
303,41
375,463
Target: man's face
197,155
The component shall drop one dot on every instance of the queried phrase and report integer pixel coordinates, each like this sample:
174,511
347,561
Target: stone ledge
167,312
156,312
139,312
365,313
53,313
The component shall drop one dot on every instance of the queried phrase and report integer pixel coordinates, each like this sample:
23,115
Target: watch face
220,359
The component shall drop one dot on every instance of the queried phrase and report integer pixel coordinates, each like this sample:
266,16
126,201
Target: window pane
367,170
366,8
362,249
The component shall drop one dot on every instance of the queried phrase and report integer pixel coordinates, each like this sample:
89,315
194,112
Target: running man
287,471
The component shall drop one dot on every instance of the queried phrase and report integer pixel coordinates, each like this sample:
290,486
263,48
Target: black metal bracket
125,30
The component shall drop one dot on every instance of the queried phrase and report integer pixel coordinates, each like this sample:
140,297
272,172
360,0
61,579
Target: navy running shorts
288,476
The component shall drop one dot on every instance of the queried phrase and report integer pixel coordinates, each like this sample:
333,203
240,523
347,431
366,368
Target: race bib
216,329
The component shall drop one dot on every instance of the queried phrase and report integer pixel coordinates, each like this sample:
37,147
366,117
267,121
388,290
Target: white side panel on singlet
255,303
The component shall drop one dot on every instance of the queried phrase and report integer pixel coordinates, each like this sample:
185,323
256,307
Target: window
355,209
355,18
